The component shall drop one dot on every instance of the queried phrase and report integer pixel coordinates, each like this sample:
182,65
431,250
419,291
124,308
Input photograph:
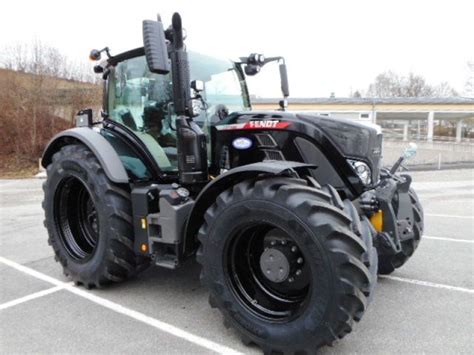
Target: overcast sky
330,46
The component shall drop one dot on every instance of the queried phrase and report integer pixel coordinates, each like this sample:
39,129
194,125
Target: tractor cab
164,100
142,101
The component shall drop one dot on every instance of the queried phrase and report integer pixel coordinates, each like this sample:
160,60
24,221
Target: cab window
142,101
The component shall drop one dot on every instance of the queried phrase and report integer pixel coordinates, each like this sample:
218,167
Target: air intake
265,140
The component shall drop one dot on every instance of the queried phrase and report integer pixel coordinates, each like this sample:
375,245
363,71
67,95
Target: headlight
362,170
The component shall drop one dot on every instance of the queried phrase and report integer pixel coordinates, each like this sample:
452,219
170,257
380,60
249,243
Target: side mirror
197,85
285,89
410,151
156,51
94,55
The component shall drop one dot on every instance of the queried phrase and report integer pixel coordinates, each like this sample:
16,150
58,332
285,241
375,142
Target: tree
469,86
35,102
390,84
444,90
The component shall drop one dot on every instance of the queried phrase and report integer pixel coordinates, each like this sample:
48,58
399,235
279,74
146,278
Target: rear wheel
88,219
283,265
388,263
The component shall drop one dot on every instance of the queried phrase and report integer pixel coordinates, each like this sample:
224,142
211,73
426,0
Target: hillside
32,109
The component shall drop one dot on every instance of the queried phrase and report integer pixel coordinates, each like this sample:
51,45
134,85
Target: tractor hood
354,139
340,141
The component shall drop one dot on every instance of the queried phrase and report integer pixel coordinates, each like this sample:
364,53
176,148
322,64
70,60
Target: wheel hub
268,271
274,265
281,260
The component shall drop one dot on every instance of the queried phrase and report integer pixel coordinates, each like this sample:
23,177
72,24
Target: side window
132,163
142,101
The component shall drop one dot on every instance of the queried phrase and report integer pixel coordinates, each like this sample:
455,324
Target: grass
13,168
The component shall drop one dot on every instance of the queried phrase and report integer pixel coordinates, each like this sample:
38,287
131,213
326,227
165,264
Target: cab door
141,102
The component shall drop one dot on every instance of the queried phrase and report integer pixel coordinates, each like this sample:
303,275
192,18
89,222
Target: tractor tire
362,227
388,263
89,220
283,265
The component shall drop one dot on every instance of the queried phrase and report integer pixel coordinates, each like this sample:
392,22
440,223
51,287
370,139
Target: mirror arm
397,164
273,59
107,51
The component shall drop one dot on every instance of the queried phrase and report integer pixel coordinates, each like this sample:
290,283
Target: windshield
222,85
143,101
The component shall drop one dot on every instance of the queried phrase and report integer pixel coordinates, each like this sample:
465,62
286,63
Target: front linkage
397,216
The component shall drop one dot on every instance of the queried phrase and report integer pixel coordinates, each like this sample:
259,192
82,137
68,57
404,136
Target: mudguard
208,195
102,149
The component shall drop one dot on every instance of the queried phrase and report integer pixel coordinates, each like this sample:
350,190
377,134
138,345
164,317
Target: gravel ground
425,307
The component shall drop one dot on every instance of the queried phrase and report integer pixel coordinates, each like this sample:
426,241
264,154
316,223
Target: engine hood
338,137
354,139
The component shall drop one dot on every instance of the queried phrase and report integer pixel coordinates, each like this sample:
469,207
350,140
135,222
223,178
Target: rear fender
102,149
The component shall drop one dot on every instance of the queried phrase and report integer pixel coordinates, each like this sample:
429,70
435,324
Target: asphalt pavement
427,306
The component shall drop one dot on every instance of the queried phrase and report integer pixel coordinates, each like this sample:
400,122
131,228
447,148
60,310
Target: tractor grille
271,154
265,140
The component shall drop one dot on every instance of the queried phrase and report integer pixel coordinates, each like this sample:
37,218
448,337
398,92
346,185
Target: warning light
377,221
143,220
144,248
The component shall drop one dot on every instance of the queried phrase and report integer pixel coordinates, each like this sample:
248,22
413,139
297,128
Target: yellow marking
377,220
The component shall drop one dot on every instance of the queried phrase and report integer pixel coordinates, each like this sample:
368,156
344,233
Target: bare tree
444,90
415,86
387,84
469,86
15,57
40,91
390,84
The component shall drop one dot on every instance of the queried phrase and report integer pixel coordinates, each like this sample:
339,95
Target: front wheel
283,265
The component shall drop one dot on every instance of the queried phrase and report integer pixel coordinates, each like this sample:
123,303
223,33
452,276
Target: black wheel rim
76,219
273,298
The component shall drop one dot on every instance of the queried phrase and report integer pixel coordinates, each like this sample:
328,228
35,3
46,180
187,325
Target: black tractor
290,215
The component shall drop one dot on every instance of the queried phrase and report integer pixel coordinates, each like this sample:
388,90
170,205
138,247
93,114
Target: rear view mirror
94,54
197,85
285,89
156,51
410,151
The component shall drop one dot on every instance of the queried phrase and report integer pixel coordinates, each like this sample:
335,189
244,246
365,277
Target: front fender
102,149
210,192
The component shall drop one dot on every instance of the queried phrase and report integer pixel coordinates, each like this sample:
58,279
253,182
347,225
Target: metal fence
436,154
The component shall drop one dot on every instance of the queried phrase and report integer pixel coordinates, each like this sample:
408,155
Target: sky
330,46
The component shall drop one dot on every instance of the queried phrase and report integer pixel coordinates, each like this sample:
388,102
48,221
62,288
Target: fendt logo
263,124
268,124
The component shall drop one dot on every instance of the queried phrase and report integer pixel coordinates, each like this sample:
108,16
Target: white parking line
447,215
428,284
448,239
30,297
165,327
